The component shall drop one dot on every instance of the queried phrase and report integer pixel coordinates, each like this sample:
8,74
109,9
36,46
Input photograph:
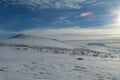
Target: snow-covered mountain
22,36
102,47
96,44
22,39
47,45
93,45
25,57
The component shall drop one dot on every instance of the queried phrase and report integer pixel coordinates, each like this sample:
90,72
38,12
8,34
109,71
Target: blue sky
36,17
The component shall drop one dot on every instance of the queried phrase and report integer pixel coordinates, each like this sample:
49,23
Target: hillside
22,39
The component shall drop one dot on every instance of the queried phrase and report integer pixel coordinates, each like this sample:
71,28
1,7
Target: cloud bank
77,33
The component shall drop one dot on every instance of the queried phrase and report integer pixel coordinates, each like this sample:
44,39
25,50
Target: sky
61,19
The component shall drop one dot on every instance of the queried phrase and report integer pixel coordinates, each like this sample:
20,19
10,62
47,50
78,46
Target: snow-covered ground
32,65
29,58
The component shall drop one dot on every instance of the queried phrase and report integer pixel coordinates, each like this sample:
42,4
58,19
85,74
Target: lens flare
88,15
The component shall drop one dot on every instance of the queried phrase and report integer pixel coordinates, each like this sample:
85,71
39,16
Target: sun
118,19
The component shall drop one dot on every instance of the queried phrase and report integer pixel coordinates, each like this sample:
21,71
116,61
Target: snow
56,60
34,41
33,65
94,45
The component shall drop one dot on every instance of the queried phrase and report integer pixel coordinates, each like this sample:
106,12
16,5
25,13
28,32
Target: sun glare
118,19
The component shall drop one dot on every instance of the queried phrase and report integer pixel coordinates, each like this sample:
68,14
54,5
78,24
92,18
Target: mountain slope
102,47
22,39
93,45
96,44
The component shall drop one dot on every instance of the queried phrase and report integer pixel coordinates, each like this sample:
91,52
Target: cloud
62,20
3,32
77,33
57,4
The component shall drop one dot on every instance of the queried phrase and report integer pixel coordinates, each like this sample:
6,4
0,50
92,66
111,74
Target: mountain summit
22,36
